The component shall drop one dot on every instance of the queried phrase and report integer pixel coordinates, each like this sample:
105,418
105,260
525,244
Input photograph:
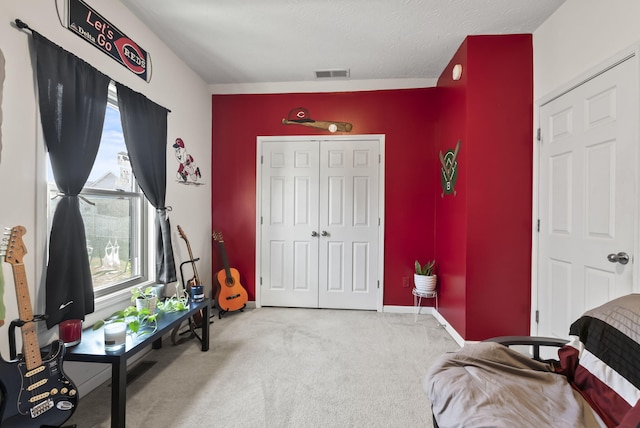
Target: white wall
22,193
580,35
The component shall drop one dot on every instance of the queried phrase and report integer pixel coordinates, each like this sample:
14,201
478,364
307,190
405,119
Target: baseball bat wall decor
320,124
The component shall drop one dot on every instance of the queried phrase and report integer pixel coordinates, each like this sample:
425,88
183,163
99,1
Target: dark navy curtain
144,124
72,96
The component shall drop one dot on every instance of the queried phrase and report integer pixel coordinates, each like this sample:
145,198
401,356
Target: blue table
91,350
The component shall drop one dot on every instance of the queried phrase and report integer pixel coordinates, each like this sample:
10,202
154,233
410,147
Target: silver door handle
621,257
325,233
314,233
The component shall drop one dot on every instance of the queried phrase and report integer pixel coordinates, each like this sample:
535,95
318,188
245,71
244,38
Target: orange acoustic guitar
232,296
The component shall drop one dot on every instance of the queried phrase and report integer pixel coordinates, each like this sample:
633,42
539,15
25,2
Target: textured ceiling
254,41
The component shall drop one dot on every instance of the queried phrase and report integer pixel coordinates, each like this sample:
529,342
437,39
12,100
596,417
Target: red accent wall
406,117
481,237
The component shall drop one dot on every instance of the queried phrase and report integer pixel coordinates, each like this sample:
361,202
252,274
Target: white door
348,224
289,216
319,223
587,197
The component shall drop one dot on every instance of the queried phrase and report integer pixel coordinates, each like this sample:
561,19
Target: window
113,210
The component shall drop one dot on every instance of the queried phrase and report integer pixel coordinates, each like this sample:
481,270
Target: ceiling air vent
332,74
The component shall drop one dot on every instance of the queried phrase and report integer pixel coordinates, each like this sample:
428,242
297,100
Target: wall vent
333,74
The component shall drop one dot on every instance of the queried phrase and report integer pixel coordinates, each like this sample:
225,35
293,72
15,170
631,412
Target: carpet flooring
285,367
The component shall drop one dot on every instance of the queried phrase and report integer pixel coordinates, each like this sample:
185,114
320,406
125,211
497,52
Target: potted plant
424,277
133,317
144,298
139,316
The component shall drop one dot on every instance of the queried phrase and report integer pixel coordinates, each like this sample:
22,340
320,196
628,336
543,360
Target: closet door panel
289,210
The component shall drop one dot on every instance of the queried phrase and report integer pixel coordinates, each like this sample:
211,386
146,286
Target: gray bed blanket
489,385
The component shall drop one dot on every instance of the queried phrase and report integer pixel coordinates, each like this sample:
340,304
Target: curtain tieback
60,195
169,208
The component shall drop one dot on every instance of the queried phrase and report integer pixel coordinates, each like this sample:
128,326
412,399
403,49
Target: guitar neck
225,262
30,347
193,264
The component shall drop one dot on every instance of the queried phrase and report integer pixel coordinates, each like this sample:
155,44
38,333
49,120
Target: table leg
205,327
157,344
417,302
118,393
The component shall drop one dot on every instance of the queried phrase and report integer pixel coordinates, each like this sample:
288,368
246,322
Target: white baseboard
447,326
408,310
427,310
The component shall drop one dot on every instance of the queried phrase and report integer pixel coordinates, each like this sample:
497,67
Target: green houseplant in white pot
424,277
144,298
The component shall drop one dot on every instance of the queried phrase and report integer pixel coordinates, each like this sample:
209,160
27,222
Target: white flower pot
425,284
146,303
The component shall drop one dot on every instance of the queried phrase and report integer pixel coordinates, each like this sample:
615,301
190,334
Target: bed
595,381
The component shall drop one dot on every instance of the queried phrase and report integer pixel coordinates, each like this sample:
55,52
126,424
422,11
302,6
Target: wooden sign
95,29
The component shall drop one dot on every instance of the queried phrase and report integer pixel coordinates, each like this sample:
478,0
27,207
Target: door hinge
538,225
539,135
260,281
378,283
379,158
261,219
537,316
378,221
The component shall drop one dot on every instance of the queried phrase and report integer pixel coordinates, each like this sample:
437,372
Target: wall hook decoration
449,176
300,116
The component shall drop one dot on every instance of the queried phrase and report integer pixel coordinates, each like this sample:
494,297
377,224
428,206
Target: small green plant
177,303
137,319
139,293
133,317
427,269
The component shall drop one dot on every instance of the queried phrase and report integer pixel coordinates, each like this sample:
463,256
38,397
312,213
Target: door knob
314,233
325,233
621,257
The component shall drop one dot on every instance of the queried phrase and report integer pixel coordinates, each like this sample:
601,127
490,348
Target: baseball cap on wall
299,114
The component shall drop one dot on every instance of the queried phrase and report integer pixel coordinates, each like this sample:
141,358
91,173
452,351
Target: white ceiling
255,41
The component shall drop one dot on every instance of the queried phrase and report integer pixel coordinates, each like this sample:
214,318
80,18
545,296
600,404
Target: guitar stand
222,311
12,333
192,324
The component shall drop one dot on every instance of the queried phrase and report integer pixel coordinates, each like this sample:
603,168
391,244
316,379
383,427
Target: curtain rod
24,26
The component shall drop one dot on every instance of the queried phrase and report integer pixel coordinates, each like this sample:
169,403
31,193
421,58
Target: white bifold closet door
319,223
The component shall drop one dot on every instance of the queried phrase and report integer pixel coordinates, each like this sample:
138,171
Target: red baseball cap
299,114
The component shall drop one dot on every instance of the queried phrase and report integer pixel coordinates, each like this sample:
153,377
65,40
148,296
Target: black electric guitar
36,392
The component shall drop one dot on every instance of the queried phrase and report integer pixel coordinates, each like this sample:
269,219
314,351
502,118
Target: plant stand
417,299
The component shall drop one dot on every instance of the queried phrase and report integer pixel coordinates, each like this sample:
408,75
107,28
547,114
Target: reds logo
131,55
